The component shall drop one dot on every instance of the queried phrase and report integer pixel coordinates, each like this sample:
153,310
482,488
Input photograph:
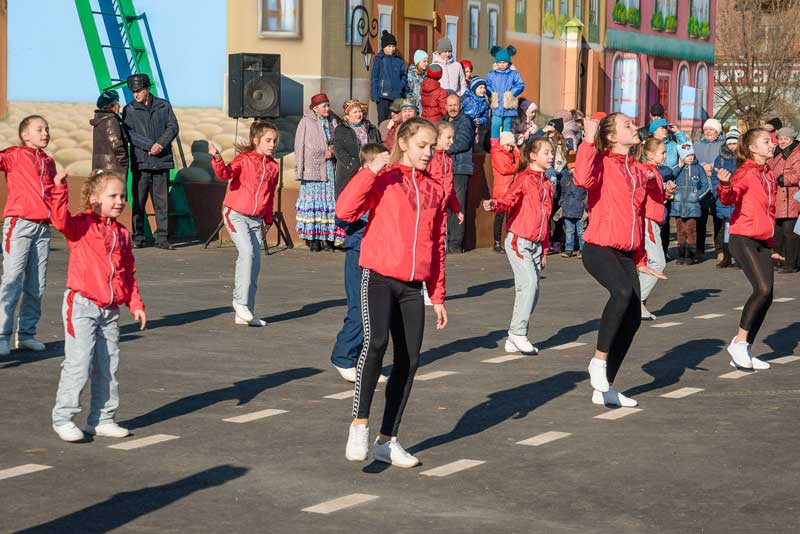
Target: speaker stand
214,234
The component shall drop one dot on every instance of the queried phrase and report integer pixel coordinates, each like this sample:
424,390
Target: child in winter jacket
573,204
416,73
433,96
474,103
692,183
441,167
101,276
504,85
26,233
726,160
505,161
247,206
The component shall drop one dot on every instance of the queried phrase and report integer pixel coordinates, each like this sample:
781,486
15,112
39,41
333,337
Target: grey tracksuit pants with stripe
91,348
26,247
526,262
245,233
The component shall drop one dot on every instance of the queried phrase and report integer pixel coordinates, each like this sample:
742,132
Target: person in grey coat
461,152
151,126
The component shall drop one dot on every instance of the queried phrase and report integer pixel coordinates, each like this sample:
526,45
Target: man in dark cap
387,79
109,142
151,126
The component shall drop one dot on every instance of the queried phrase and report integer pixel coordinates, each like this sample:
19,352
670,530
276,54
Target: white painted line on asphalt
785,359
783,299
733,375
452,467
618,413
143,442
665,325
434,375
341,503
541,439
740,308
504,359
343,395
710,316
246,418
681,393
566,346
22,470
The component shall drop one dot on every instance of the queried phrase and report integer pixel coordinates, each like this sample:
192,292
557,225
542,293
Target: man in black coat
461,152
151,126
109,142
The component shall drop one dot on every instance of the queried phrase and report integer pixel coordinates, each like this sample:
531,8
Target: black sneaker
498,247
138,243
164,245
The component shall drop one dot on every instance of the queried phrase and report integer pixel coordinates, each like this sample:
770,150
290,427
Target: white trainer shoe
109,430
357,443
383,379
740,356
243,313
647,316
612,397
597,375
69,432
393,453
348,374
253,322
758,365
516,343
5,350
31,344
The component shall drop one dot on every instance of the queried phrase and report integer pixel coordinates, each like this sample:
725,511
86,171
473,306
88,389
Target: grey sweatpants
655,257
91,346
26,247
526,262
245,233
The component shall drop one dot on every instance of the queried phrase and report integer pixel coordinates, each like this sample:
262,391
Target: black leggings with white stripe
388,306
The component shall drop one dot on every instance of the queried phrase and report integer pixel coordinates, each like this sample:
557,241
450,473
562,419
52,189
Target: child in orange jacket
505,160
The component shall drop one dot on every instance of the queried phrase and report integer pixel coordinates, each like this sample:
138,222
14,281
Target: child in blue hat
503,85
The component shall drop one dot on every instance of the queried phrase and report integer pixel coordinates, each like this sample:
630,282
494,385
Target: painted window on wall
451,30
279,17
357,39
578,13
549,19
625,88
474,21
594,21
492,28
384,23
685,92
698,24
667,7
520,16
701,82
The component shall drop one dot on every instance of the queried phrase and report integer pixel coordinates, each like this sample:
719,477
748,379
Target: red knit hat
318,99
434,71
600,115
465,64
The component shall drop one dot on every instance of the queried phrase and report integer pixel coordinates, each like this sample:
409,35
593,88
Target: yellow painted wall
419,9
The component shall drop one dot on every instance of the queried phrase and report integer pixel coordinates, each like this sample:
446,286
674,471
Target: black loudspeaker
254,86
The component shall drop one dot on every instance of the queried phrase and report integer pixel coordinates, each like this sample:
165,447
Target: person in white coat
453,79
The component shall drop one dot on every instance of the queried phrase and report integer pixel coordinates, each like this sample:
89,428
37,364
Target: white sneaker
516,343
357,443
253,322
393,453
243,313
383,379
612,397
31,344
109,430
5,350
597,375
758,365
348,374
69,432
740,356
647,316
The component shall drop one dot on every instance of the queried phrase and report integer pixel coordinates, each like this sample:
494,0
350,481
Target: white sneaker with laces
5,350
109,430
740,355
647,316
254,322
69,432
393,453
759,365
516,343
348,374
31,344
597,375
243,313
357,443
612,397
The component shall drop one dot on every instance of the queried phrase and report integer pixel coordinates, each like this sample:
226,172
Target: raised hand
380,161
590,127
213,150
724,175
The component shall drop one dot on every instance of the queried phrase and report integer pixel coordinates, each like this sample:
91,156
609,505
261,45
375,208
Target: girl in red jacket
100,278
247,206
403,246
441,167
751,192
26,233
505,160
614,253
528,202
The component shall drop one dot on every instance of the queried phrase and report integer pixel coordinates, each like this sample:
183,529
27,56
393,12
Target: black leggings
616,271
388,306
498,225
787,243
754,258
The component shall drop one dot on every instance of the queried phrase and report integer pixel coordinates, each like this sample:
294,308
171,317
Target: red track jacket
441,169
751,192
29,175
529,202
253,180
654,208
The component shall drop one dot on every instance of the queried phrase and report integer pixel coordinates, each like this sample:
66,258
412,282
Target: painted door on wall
663,81
417,38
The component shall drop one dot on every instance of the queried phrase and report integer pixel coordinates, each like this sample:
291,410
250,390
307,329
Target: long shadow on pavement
569,334
669,368
514,403
244,391
177,319
484,341
55,349
685,302
481,289
122,508
308,309
783,342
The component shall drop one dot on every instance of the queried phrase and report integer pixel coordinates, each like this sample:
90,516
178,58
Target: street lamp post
364,31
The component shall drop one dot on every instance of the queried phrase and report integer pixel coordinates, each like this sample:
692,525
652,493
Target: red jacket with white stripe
751,191
253,178
529,202
29,175
101,265
616,186
654,208
441,169
404,237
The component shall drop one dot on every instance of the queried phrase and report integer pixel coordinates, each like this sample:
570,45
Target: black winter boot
681,260
691,256
498,247
726,258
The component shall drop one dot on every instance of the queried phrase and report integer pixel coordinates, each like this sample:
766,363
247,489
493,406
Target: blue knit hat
419,55
476,82
685,149
107,98
503,54
656,124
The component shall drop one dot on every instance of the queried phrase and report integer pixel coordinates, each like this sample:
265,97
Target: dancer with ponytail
751,191
614,253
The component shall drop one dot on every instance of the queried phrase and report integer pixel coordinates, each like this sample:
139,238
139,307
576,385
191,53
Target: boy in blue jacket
692,183
387,78
726,160
572,203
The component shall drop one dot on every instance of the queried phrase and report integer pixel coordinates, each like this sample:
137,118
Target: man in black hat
151,126
109,142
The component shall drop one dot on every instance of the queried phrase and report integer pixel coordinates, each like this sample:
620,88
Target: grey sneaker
393,453
31,344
